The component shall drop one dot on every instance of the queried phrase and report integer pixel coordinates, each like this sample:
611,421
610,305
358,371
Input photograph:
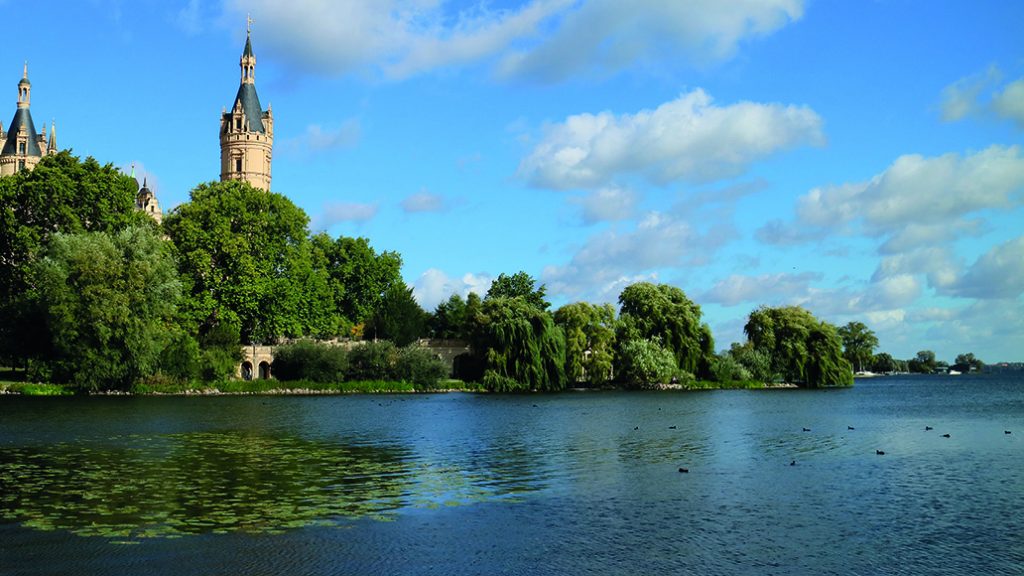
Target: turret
246,130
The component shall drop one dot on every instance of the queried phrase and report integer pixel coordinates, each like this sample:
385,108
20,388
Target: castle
246,137
21,147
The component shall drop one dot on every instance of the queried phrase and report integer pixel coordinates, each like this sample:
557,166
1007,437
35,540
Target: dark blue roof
22,117
250,106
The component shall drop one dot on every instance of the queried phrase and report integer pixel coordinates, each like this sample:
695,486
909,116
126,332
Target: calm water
577,483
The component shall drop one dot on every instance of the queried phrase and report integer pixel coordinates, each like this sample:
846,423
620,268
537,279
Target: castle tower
145,200
247,131
22,147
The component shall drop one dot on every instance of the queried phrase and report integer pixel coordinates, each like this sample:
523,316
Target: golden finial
25,73
248,23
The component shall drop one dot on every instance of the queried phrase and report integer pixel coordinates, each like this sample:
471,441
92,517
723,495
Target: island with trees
96,296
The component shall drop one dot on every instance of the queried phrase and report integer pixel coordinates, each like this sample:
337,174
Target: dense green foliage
521,347
923,363
450,319
62,195
398,317
245,257
308,361
968,363
644,363
359,277
519,285
802,349
664,313
884,363
109,299
589,341
859,344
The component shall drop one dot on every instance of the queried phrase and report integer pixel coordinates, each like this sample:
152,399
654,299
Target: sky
860,159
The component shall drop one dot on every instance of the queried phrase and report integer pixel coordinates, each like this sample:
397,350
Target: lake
573,483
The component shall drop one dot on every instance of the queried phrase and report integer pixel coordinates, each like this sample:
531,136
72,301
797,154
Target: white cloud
975,96
612,259
961,98
920,201
999,273
762,289
337,212
935,263
399,38
545,40
611,204
434,287
1010,102
610,34
686,139
423,201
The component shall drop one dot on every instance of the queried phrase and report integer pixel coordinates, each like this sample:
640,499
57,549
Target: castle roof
22,118
250,105
248,48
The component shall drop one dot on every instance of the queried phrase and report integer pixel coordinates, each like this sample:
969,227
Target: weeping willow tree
664,313
802,349
521,347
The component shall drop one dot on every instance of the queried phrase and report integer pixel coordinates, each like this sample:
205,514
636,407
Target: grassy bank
305,387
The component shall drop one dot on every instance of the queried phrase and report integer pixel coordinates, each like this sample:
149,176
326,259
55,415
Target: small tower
145,200
21,149
247,131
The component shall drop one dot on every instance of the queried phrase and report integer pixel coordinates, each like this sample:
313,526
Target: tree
359,276
859,344
62,195
968,363
518,285
519,346
801,348
923,363
884,363
109,301
245,257
399,317
589,341
664,313
448,321
644,362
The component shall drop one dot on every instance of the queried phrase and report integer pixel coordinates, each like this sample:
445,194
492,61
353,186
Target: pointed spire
52,147
24,73
133,170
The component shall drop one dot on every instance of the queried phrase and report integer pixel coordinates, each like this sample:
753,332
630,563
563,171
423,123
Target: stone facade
21,147
247,131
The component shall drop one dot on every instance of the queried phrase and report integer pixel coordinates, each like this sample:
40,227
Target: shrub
419,366
726,368
373,361
308,360
645,362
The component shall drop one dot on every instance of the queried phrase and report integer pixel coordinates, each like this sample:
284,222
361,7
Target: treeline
95,294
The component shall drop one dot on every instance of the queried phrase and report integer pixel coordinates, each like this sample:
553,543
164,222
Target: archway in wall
264,370
246,370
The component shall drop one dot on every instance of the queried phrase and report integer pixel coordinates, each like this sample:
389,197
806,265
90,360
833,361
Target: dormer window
238,123
21,147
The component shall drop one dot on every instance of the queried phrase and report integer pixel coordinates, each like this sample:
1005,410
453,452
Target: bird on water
880,452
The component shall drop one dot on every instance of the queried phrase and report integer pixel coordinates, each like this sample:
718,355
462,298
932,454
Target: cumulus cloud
434,287
688,138
423,201
935,263
979,95
611,34
762,289
612,259
1009,103
338,212
999,273
962,98
609,204
919,201
545,40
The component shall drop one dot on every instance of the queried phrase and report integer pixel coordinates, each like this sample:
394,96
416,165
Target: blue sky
862,159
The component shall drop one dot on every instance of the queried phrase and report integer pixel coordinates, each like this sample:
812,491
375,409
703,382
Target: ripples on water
562,484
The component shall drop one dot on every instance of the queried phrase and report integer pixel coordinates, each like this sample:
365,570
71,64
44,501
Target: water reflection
207,482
